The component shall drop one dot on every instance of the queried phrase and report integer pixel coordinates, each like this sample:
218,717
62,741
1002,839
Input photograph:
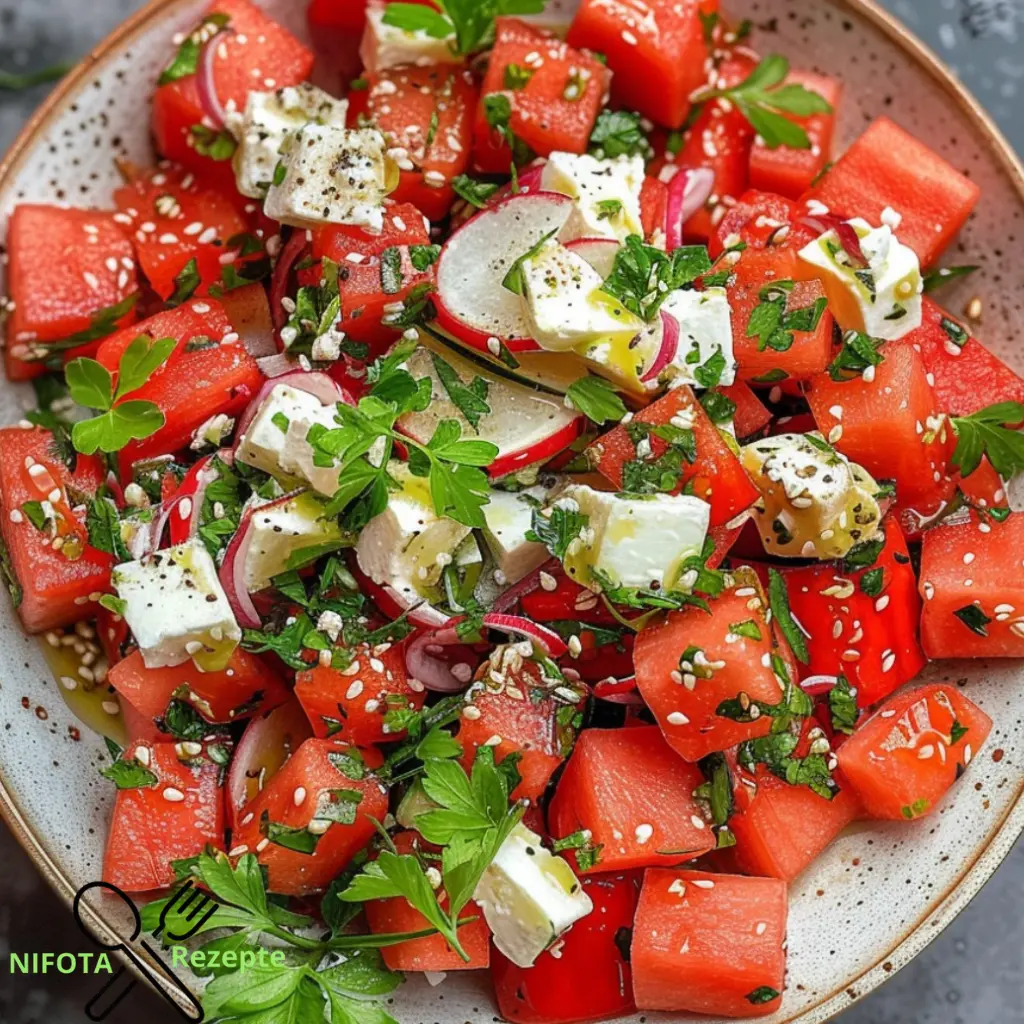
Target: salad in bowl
498,490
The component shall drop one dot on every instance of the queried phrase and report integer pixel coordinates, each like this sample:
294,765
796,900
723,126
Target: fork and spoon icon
194,906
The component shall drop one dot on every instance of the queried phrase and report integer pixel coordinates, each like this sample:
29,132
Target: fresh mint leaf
935,279
778,599
476,193
974,619
471,399
858,353
842,706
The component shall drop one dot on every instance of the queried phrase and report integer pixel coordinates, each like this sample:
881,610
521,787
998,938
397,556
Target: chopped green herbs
597,399
984,433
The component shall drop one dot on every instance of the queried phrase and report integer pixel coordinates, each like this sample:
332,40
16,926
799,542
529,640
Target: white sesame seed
175,796
926,751
299,796
678,718
547,581
471,712
697,822
354,690
882,603
703,883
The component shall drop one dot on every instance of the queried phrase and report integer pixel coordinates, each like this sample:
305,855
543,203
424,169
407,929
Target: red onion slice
688,191
435,657
249,312
667,349
277,365
527,585
206,84
232,576
547,639
115,488
292,253
848,237
320,385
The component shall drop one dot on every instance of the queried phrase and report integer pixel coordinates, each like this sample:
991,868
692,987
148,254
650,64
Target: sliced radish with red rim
472,303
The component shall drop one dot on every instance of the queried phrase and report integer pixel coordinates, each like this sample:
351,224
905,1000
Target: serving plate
881,892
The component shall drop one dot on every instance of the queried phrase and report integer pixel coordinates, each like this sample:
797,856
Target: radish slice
527,585
600,253
249,312
688,191
294,249
527,426
320,385
441,661
547,639
667,349
617,691
471,302
267,743
848,238
206,84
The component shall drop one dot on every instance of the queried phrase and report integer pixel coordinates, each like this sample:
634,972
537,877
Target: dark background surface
973,974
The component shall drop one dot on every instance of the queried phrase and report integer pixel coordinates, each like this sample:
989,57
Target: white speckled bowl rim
928,871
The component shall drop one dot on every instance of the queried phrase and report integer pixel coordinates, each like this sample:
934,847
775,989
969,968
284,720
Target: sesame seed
697,822
643,834
882,603
354,690
703,883
299,796
237,851
547,581
678,718
926,752
471,713
175,796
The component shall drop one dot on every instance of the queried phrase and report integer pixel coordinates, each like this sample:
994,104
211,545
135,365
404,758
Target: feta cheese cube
705,327
607,194
177,609
565,306
509,516
269,120
529,897
408,545
817,504
333,176
636,541
387,46
882,300
275,440
287,534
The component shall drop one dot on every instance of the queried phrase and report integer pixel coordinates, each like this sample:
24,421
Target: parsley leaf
619,133
643,276
498,112
90,384
557,528
985,433
587,855
763,100
513,280
470,21
597,399
129,773
774,325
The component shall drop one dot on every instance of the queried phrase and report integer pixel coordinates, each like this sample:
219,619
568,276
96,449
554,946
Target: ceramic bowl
881,892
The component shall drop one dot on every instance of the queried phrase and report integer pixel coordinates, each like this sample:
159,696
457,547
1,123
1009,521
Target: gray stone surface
973,974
